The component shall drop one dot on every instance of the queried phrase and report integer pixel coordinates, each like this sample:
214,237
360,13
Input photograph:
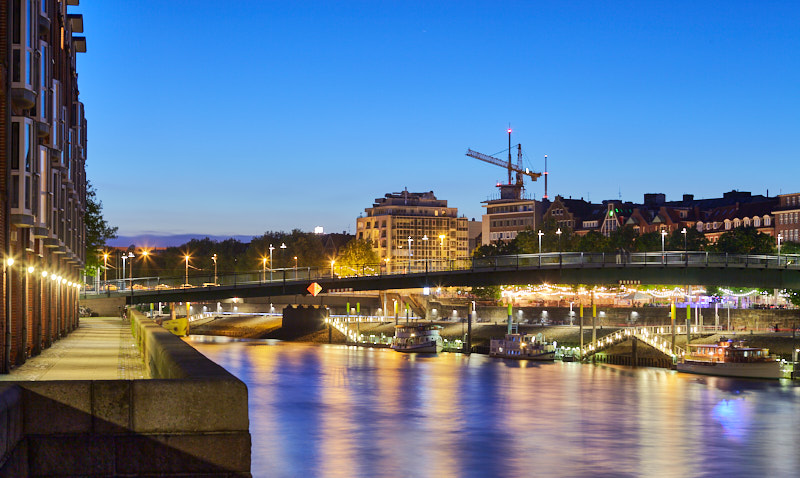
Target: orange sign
314,289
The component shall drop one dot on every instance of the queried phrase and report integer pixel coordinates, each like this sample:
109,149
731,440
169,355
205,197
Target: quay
123,398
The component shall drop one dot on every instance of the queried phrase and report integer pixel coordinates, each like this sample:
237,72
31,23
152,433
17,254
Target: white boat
419,338
523,346
731,359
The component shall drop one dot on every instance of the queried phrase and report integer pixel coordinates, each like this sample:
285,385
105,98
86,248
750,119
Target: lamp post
124,257
214,258
441,247
558,232
410,254
105,268
130,273
186,275
270,261
425,250
663,235
264,269
283,248
332,263
780,238
295,267
540,234
685,245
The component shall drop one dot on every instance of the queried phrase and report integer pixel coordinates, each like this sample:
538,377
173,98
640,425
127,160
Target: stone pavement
101,348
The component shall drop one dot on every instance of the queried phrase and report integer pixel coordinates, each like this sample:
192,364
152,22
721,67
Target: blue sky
240,117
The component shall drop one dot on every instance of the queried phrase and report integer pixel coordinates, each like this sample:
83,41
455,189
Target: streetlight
332,263
425,250
105,268
410,254
295,267
214,258
131,257
663,235
540,234
559,239
685,246
780,238
270,261
283,247
186,276
441,247
124,257
264,269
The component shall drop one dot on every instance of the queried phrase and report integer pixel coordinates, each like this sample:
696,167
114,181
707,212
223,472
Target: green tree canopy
694,240
98,231
745,240
355,255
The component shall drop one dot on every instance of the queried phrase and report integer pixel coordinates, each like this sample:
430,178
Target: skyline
358,100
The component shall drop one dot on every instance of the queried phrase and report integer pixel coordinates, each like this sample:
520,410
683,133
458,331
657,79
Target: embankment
189,419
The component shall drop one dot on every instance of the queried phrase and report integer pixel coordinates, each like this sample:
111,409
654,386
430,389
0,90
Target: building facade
43,155
787,217
414,229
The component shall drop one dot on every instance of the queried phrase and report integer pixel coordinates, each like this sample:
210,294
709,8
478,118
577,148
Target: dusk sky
240,117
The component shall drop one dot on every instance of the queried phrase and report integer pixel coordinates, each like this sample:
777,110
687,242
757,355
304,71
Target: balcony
22,220
40,232
44,26
23,97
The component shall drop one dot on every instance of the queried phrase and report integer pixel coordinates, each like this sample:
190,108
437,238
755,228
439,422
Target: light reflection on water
332,410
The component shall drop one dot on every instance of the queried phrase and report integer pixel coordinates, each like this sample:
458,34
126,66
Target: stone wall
189,419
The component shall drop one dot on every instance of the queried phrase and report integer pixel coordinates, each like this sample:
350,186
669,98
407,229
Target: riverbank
261,327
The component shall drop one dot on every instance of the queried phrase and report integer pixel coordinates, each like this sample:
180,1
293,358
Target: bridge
670,268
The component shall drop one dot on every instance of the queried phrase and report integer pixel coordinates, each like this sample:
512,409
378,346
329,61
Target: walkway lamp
186,276
105,268
214,258
685,247
130,273
559,239
780,238
410,254
332,263
663,235
295,267
425,250
124,258
264,269
270,261
540,234
283,247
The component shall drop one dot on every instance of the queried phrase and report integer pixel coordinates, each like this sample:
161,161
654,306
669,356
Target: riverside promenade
101,348
119,398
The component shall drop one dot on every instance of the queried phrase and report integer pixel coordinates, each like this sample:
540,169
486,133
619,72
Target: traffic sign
314,289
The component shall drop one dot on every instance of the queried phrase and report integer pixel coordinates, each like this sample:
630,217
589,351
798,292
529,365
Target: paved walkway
101,348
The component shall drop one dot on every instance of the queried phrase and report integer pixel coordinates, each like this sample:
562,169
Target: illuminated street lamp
105,268
332,263
264,269
213,258
540,234
663,235
295,267
425,250
685,245
270,261
186,257
283,247
558,232
780,238
410,254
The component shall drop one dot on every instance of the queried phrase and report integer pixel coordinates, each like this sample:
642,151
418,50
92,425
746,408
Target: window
756,221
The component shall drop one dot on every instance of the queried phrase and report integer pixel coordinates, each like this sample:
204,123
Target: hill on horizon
154,240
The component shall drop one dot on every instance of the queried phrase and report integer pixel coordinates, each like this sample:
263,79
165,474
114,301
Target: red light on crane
509,130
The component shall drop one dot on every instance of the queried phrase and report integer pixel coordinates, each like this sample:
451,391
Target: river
333,410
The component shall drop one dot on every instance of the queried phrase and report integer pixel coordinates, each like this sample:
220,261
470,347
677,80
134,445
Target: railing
651,335
552,260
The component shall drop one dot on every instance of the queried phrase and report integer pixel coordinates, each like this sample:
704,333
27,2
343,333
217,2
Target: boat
729,358
419,338
523,346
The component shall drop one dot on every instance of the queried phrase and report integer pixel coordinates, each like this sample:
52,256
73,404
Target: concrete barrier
189,419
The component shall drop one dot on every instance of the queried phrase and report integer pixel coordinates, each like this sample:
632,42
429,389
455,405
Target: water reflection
341,411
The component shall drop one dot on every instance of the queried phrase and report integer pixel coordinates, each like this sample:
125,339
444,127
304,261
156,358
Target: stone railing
189,419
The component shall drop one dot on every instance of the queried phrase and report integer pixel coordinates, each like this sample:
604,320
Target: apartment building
410,228
787,217
43,154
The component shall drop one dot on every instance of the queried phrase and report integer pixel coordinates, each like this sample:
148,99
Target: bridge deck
101,348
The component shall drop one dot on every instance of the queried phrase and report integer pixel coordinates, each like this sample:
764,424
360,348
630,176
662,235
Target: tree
745,240
623,238
593,241
355,255
98,231
648,242
694,240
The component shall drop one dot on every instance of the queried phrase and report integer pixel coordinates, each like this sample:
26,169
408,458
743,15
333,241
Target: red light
509,130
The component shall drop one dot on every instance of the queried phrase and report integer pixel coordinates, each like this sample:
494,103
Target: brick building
43,153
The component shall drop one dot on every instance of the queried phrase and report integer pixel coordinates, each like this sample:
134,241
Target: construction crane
511,190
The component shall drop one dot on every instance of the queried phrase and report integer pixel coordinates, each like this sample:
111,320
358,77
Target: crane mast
510,190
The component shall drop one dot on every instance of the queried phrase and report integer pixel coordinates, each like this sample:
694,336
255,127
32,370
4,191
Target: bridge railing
549,260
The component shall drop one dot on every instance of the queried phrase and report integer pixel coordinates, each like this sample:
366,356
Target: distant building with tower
410,228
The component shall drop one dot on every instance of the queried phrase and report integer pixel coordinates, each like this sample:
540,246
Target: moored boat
523,346
419,338
731,359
